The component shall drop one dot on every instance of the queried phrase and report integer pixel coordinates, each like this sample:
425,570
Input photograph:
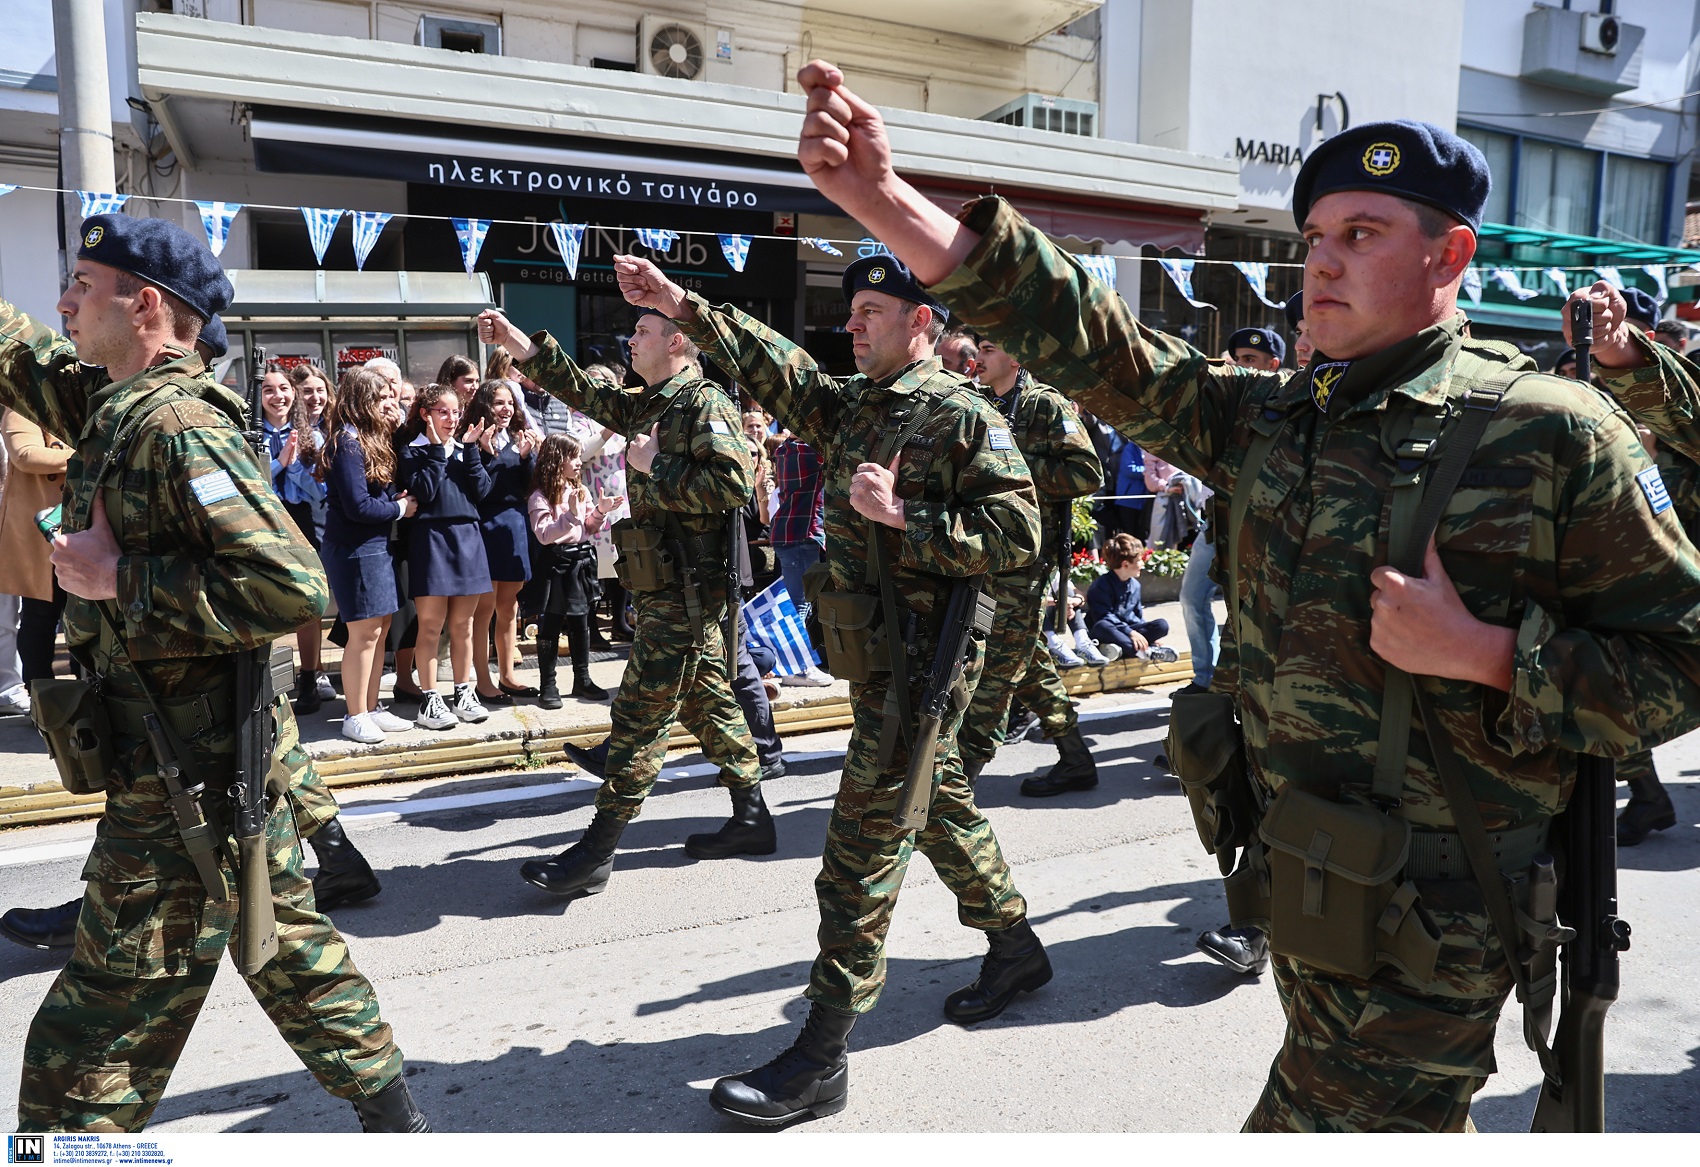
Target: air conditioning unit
1600,33
461,36
1041,111
672,48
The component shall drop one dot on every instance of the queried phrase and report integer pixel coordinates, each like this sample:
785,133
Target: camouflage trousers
667,681
1018,667
1642,777
866,856
1388,1054
102,1047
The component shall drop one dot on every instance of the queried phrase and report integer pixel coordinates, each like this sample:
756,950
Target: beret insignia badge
1381,159
95,235
876,275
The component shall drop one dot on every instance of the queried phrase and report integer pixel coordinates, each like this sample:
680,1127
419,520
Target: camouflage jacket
702,466
211,563
968,498
1665,397
1055,445
1555,539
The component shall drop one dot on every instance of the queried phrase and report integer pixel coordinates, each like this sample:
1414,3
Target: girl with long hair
563,517
507,453
460,374
361,507
302,487
447,571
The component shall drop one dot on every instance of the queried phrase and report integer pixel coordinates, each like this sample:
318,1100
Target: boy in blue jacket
1114,610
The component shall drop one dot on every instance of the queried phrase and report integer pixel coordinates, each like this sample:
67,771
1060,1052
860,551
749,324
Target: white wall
29,244
1495,42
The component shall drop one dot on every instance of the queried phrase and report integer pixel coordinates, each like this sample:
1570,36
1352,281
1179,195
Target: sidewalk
521,736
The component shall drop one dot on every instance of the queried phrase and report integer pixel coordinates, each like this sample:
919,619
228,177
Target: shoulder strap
1265,430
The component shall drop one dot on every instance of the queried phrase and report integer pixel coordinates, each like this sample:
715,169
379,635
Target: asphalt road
617,1012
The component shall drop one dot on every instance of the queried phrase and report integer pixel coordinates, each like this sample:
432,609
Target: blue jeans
1203,634
793,561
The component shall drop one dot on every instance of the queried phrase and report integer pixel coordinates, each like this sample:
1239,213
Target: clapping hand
432,434
609,503
291,447
481,435
526,443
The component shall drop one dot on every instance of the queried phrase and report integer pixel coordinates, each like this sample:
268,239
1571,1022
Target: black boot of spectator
307,698
548,653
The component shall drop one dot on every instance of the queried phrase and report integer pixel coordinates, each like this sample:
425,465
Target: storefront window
289,349
1635,200
1556,188
1498,149
426,352
356,348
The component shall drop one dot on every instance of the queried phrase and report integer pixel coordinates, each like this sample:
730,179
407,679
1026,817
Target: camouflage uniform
1018,665
970,511
702,469
198,582
1557,543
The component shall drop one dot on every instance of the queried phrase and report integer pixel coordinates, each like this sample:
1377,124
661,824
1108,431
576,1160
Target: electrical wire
1576,113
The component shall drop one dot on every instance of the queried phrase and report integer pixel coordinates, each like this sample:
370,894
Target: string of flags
1522,283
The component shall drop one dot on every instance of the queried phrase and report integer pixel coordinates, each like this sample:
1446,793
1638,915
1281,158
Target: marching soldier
1553,614
924,485
1065,467
176,555
687,467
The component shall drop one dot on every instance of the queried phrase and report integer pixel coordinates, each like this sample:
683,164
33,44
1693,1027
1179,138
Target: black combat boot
582,869
1649,809
1245,950
344,876
748,832
773,769
307,696
811,1078
591,761
548,696
1076,770
1015,963
971,769
391,1111
43,928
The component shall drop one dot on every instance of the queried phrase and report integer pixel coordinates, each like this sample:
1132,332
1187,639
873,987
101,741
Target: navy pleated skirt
446,558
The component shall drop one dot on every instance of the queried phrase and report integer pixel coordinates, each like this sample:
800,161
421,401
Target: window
1635,200
1500,151
1556,187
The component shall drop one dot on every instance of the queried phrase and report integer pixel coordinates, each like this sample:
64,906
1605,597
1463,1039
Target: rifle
737,555
1065,549
1587,902
969,610
256,741
1582,338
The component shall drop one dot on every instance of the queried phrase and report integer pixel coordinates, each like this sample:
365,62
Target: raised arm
541,358
40,377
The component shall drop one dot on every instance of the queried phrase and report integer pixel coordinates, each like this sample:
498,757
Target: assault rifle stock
969,610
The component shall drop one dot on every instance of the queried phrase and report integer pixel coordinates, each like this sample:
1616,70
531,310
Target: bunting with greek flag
1656,273
216,218
568,236
1257,275
771,620
368,225
1611,276
1560,277
656,239
1509,281
736,249
470,233
1103,267
1180,272
1473,285
820,245
95,203
321,225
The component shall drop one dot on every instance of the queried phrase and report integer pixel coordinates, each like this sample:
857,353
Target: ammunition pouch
1339,899
71,717
646,560
850,626
1207,751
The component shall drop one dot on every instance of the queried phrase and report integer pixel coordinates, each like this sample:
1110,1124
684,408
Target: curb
49,802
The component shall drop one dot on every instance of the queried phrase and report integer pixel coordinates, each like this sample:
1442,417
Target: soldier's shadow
1634,1102
608,1085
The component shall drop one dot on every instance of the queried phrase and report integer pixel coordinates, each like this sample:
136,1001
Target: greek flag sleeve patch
214,487
1000,440
1654,488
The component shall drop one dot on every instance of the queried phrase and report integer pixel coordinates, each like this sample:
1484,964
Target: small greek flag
656,239
100,204
1611,276
1257,275
1473,285
321,225
1560,277
820,244
1656,273
471,234
1508,280
771,619
6,188
1180,271
216,218
568,236
1101,267
368,225
736,249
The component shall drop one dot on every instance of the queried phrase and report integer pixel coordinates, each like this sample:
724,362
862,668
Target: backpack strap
1265,431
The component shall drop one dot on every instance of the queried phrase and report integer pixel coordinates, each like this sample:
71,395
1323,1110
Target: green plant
1170,561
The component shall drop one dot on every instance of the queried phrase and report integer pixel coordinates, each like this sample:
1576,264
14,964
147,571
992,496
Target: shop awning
1058,217
396,295
1611,251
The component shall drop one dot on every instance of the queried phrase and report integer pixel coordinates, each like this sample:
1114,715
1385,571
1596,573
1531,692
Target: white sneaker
433,714
810,676
466,706
358,727
1112,651
387,681
389,722
15,700
1087,651
1061,653
1162,654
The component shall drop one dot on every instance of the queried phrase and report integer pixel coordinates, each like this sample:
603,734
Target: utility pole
85,110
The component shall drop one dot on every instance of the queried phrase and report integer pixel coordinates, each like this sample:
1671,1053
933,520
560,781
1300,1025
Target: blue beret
888,274
161,253
1567,357
215,337
1643,309
1412,160
1295,309
1262,339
